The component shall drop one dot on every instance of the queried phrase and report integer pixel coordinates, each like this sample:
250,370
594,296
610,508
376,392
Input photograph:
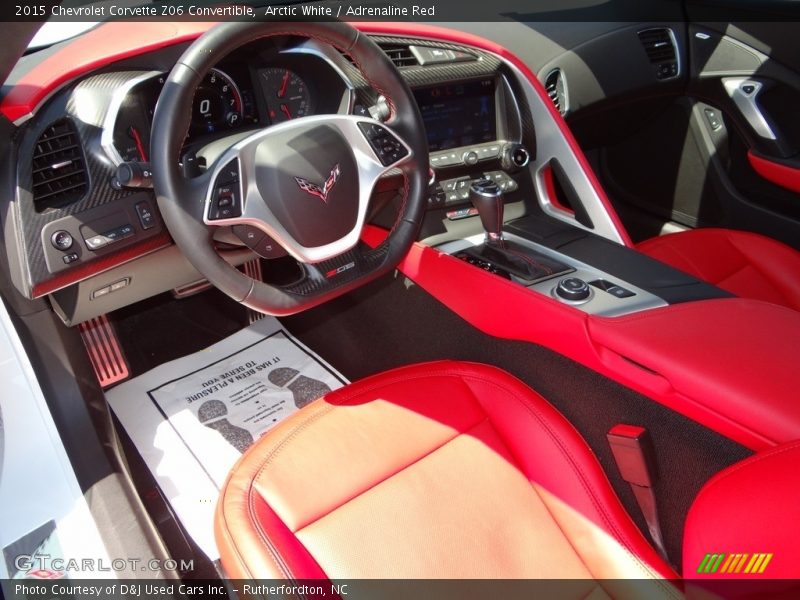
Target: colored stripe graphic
750,564
710,563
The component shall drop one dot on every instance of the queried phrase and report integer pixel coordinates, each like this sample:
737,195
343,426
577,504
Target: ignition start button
62,240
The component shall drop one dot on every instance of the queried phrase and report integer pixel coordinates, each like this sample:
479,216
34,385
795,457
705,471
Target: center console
477,129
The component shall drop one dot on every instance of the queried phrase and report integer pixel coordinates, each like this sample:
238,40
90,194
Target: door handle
744,92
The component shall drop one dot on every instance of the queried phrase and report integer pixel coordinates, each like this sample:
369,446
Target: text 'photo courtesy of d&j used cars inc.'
366,299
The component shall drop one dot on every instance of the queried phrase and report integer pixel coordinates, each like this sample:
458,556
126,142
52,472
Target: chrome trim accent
551,143
562,76
748,104
254,209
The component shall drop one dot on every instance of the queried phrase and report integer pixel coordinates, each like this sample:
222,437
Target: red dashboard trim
97,48
105,263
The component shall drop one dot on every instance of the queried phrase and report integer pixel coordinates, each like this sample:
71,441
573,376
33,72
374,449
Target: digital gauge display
217,105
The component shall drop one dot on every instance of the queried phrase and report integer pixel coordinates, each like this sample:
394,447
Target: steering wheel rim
184,203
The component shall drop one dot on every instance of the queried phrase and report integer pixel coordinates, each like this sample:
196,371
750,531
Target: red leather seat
440,470
453,470
746,264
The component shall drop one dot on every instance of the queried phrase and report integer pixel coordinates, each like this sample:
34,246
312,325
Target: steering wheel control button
225,203
248,234
146,217
573,289
62,240
229,173
258,241
385,145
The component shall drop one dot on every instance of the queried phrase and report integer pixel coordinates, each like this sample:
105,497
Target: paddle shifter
487,197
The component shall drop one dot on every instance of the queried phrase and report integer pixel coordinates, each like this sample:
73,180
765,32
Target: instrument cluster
237,94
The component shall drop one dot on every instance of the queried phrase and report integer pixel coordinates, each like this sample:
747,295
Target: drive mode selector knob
514,157
573,289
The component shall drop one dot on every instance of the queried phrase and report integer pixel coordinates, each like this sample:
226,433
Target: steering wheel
306,183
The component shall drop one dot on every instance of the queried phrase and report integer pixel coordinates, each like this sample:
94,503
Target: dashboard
79,226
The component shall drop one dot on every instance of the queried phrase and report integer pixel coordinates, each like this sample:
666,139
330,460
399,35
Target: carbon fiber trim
340,270
86,104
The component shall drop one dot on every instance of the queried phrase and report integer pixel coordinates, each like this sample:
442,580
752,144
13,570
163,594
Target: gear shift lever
506,256
487,197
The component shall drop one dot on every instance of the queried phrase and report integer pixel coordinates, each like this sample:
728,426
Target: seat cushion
746,264
441,470
748,518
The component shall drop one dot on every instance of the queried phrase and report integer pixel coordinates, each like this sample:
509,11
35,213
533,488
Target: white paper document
192,418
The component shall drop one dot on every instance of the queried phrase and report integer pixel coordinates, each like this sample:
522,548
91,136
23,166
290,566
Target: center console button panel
456,191
561,277
458,156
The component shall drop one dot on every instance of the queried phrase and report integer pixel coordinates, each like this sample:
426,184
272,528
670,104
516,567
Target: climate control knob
573,289
514,157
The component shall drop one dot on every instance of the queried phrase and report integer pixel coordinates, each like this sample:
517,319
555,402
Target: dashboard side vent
401,56
58,167
556,88
659,44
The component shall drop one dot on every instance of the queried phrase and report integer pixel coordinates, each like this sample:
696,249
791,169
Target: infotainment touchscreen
458,114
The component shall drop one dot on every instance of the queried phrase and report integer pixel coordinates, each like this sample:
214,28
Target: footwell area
192,418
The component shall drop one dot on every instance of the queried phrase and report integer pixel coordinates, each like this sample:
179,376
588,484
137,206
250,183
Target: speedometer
217,104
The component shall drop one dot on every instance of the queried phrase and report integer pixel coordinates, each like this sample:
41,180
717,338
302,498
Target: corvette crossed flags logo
320,191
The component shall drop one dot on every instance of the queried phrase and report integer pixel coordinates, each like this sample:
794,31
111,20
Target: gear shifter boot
513,259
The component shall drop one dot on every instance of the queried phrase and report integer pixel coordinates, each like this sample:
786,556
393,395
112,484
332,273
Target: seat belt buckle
634,454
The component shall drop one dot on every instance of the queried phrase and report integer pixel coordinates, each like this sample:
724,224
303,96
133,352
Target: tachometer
286,94
217,104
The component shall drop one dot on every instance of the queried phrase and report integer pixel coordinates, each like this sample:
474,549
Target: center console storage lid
735,358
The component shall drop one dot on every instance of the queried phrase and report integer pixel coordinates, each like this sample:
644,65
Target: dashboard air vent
401,56
59,169
557,90
659,44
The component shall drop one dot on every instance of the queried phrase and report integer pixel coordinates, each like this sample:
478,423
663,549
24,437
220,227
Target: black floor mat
161,329
388,323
